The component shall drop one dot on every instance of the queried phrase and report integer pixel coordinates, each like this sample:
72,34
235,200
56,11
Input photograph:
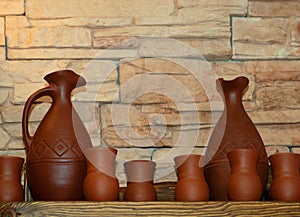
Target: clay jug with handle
234,130
55,164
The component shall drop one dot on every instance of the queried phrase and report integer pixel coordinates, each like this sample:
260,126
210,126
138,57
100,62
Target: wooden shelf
157,208
165,206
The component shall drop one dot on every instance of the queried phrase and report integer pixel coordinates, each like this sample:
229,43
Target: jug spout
69,77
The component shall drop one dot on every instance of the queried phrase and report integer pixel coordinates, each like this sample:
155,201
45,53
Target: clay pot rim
182,158
223,162
80,80
11,157
241,77
114,150
283,154
187,155
139,162
222,81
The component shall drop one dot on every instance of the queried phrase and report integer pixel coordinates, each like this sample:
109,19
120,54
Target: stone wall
113,42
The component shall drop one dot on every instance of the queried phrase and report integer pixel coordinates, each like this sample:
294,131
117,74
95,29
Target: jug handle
47,91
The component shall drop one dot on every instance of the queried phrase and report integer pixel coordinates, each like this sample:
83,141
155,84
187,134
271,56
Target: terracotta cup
10,179
244,183
100,183
285,185
191,184
140,175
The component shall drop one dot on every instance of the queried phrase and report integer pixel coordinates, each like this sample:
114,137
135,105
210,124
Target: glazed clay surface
234,130
285,185
10,179
191,184
101,183
55,163
140,174
244,183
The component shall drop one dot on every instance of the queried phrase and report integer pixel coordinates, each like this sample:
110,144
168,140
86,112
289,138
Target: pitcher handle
47,91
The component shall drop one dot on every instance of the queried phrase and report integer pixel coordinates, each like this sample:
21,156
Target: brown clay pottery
191,184
285,184
244,183
55,164
140,175
101,183
10,179
234,130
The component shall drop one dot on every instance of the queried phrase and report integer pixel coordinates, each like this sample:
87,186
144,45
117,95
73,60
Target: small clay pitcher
100,183
285,185
140,174
191,184
244,183
10,179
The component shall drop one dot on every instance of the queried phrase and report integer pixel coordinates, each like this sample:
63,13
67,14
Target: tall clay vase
10,179
101,183
191,184
285,185
234,130
244,183
140,175
55,164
